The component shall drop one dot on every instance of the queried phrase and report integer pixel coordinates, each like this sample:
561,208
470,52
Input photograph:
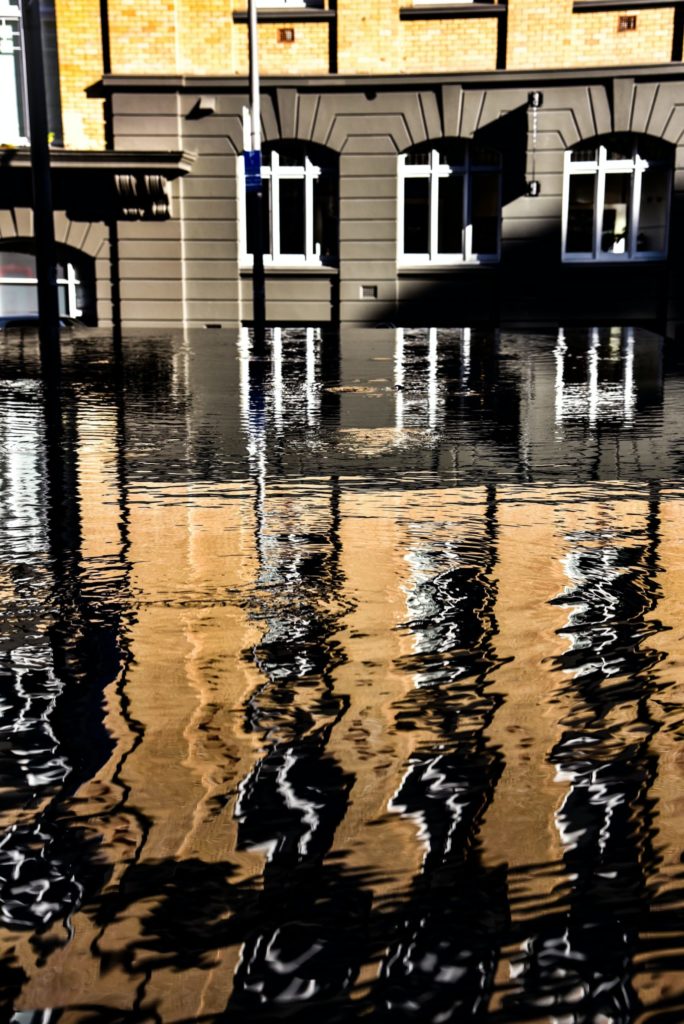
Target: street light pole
43,221
255,188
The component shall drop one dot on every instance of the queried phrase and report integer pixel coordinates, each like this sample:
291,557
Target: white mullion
71,282
567,181
635,205
467,236
599,201
433,202
274,205
400,201
309,254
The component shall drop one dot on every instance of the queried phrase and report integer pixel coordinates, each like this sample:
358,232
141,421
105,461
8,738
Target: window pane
652,149
11,108
583,155
325,217
485,213
291,155
419,157
292,216
17,264
450,214
653,212
416,215
620,149
580,213
18,299
251,219
616,213
483,157
452,153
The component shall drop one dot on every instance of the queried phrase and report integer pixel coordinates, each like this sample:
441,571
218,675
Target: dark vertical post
43,223
258,282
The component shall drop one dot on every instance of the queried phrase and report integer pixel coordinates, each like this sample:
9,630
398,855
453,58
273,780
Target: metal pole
43,222
257,195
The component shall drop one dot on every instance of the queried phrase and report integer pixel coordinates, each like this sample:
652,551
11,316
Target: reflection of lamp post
254,185
43,223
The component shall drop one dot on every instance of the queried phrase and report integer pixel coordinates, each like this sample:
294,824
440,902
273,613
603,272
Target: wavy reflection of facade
441,963
577,960
394,752
63,721
293,799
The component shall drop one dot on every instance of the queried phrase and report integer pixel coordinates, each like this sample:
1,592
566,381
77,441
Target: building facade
461,160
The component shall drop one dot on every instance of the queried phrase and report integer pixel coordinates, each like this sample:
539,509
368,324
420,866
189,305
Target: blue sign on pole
252,170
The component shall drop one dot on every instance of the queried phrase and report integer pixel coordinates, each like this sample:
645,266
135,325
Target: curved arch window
300,207
19,286
449,204
616,201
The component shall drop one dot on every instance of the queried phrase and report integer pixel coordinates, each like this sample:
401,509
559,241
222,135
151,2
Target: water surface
344,684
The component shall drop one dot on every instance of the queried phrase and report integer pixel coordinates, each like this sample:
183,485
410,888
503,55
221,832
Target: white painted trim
70,283
598,169
434,171
274,172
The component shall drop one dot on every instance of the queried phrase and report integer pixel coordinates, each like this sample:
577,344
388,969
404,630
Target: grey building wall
185,269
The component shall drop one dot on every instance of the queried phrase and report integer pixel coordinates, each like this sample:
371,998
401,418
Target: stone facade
165,83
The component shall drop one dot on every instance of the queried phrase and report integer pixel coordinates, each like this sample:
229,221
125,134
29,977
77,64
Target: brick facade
366,37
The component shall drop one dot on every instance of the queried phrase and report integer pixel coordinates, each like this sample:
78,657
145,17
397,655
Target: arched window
616,200
12,108
449,204
19,285
300,207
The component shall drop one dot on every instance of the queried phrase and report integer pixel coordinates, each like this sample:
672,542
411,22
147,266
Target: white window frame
434,170
70,282
274,172
599,167
10,10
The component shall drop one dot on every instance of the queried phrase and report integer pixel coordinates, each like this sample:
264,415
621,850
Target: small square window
286,35
627,23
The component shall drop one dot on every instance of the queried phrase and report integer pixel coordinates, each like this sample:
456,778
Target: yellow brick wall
307,55
143,36
368,33
205,37
199,37
549,35
452,44
79,42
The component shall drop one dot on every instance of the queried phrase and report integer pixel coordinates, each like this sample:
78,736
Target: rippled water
346,684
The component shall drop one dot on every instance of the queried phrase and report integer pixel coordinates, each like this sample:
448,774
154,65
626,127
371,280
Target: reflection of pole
44,230
256,195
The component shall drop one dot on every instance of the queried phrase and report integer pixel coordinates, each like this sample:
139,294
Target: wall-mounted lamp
534,102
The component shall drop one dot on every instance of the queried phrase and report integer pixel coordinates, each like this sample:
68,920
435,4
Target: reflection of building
413,152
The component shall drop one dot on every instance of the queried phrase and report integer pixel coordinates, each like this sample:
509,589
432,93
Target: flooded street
343,685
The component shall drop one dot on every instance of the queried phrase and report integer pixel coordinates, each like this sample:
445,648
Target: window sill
619,5
612,261
287,14
433,269
293,271
474,10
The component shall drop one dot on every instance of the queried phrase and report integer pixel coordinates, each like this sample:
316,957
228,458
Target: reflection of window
616,201
300,207
595,377
19,286
449,202
12,107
